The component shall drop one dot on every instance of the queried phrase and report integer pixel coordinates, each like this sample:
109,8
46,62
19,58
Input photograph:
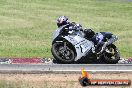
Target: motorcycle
69,46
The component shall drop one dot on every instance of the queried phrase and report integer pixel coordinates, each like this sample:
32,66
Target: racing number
84,46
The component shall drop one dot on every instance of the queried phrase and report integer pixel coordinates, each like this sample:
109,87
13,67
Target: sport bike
69,46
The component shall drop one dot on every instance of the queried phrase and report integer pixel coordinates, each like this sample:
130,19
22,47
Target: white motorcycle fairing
82,45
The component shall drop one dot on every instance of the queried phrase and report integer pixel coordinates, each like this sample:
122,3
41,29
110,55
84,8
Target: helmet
62,20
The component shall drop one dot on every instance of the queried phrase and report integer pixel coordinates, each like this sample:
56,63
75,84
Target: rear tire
59,57
107,57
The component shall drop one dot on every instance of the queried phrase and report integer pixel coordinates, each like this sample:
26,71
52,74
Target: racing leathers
74,28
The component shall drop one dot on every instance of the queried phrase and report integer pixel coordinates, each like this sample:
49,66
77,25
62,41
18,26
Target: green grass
26,26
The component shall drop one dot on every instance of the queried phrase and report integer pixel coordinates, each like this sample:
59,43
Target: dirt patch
56,80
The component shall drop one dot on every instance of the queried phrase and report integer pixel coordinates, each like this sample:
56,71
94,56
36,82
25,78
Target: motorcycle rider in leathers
96,38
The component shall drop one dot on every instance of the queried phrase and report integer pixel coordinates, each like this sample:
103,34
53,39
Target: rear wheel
111,55
63,53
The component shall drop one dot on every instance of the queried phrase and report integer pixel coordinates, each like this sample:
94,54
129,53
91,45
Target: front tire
113,56
63,55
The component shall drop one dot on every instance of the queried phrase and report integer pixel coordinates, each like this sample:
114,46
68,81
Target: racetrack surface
60,68
38,65
37,73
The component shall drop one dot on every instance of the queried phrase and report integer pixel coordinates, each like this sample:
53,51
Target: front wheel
63,53
111,54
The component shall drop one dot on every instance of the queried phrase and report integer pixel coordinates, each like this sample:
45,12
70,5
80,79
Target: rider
97,39
63,20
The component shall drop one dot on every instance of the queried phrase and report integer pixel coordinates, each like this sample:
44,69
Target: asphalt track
51,68
41,65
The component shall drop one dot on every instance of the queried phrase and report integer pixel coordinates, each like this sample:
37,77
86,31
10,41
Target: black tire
60,58
107,58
